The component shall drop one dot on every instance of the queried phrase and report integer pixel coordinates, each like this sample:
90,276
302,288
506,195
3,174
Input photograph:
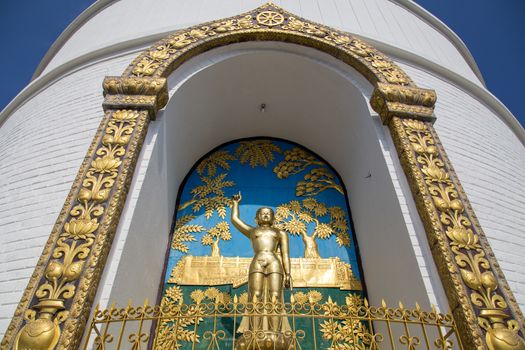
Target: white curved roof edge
437,24
409,5
137,45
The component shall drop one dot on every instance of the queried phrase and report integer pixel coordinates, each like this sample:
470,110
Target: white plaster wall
490,162
42,145
381,20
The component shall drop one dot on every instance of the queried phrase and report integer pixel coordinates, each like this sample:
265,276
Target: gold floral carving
479,300
72,261
77,248
173,331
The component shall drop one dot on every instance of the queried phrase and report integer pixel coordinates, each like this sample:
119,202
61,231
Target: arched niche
311,99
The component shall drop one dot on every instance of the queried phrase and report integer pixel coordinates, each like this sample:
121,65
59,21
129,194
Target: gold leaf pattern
216,159
174,331
295,161
257,152
184,233
317,181
201,196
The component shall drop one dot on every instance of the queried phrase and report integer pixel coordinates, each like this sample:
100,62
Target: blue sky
493,31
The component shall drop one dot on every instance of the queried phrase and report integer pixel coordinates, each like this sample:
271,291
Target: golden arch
74,257
143,82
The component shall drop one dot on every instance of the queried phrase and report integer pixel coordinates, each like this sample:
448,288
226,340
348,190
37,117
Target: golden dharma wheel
270,18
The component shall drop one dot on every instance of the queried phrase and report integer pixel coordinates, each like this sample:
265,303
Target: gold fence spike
235,299
383,303
401,305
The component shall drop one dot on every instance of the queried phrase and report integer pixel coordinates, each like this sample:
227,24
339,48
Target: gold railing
214,326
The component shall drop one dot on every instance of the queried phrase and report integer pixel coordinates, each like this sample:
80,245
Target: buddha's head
264,216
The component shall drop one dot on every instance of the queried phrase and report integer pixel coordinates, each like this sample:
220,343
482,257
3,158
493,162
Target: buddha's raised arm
236,220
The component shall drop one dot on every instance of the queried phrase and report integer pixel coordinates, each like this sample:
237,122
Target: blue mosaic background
260,186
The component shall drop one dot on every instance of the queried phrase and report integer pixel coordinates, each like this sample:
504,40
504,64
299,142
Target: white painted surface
42,146
380,20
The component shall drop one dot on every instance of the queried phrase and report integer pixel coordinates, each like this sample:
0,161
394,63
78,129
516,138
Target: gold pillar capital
403,101
145,93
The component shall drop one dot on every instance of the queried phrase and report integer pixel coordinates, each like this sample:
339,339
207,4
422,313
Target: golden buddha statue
269,274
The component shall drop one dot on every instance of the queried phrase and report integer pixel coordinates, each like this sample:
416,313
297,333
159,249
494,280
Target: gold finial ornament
268,275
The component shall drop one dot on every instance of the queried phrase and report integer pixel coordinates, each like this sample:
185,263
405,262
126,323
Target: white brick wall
42,145
381,20
490,162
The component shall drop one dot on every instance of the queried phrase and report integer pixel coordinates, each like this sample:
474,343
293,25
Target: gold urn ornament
41,333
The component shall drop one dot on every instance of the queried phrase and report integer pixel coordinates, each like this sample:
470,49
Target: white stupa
310,96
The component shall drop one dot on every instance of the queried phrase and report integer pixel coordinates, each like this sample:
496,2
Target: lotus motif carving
81,228
435,173
463,238
106,164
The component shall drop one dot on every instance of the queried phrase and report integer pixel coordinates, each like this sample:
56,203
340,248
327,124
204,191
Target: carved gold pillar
57,302
483,306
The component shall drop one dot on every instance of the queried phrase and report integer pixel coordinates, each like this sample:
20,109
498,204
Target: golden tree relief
219,232
296,216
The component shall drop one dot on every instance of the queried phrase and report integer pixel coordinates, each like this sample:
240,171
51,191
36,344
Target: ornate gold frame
57,301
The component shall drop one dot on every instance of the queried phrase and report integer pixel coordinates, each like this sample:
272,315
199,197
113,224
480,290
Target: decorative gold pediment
269,22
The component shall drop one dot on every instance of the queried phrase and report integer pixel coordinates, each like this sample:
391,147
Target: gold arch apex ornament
56,304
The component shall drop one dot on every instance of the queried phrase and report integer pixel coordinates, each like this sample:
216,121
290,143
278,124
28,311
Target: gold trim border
59,316
482,304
